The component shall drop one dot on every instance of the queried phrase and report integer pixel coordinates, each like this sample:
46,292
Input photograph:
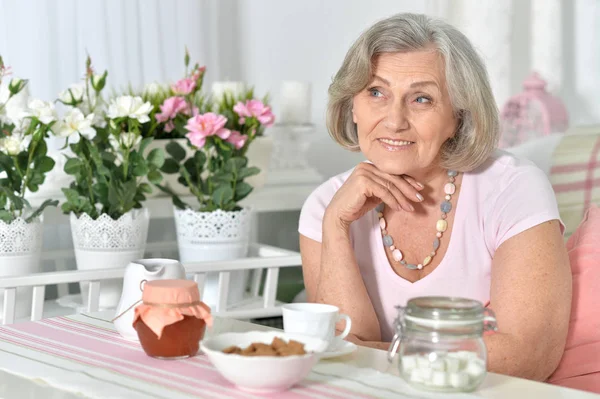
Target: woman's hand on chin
366,188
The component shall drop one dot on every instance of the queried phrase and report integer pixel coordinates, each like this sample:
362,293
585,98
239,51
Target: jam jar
440,343
171,320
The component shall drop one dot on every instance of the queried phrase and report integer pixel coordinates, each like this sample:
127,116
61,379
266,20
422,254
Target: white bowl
262,374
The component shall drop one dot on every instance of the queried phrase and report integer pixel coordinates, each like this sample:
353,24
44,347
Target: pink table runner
95,344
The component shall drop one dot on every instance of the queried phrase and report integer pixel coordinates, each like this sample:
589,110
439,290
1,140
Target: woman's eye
423,100
375,93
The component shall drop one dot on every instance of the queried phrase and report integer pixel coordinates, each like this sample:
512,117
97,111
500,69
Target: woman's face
404,115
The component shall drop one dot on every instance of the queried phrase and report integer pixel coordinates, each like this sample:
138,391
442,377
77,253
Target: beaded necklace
441,226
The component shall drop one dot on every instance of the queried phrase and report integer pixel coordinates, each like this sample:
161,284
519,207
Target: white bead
382,223
459,380
452,364
409,363
439,379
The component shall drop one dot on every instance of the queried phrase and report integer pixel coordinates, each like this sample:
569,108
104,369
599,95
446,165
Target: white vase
20,249
259,155
169,180
215,236
105,243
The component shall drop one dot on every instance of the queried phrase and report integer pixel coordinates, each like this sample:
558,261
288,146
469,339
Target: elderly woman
436,209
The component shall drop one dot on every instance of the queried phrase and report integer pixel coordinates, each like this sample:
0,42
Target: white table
495,385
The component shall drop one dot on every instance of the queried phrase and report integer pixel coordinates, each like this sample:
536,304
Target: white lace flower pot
215,236
20,249
259,155
107,243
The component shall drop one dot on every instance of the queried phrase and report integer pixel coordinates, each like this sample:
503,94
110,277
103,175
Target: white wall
307,40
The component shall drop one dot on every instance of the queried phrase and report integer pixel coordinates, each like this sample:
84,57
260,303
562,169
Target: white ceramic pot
169,180
20,249
259,155
106,243
215,236
136,274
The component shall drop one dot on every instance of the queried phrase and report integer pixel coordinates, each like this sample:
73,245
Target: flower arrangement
24,162
108,166
218,133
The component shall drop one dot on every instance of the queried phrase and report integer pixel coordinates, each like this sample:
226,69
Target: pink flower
255,108
169,126
170,108
202,126
238,140
198,72
184,86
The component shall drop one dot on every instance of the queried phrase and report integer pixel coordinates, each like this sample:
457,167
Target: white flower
73,94
15,143
13,109
75,122
152,89
11,145
42,110
130,107
125,140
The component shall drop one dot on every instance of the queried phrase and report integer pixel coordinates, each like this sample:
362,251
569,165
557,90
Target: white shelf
270,198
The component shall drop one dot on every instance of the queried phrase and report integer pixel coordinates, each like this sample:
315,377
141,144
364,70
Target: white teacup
315,319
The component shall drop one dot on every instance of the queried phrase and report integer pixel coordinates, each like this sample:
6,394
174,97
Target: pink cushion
579,367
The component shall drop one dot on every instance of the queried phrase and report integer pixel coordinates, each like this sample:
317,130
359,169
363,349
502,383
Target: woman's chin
393,166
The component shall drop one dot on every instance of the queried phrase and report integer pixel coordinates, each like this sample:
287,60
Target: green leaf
156,157
170,166
242,190
71,195
222,195
22,160
144,144
46,164
145,188
41,149
247,172
6,216
73,166
139,197
40,210
235,164
200,159
155,177
176,151
222,178
176,200
140,168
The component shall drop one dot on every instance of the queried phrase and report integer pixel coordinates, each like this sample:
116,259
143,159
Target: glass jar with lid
440,343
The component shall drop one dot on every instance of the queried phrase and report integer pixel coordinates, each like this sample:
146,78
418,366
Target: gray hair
468,85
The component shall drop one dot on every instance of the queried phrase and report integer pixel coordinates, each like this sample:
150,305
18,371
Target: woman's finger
407,189
374,188
399,195
413,182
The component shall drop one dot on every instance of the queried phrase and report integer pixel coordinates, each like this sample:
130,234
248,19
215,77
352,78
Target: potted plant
215,226
110,170
172,107
24,164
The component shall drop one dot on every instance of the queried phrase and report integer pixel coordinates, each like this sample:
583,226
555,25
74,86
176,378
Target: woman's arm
331,275
531,296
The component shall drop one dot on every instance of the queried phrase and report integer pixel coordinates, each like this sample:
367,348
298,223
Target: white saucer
341,349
